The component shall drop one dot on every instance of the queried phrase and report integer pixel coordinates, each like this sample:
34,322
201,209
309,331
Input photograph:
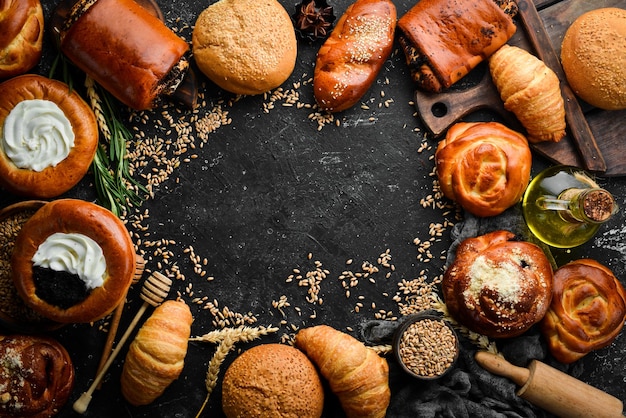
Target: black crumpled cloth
468,390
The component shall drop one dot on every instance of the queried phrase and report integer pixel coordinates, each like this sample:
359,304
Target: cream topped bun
73,261
48,136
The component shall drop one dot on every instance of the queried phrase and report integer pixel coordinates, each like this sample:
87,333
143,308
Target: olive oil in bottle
564,207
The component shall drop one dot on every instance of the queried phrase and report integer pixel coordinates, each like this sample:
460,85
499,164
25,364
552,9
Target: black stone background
267,190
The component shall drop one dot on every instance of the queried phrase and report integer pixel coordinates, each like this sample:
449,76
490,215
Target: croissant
156,356
587,312
531,91
355,373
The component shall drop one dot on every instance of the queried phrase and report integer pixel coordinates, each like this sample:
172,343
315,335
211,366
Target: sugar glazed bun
587,312
245,46
59,136
593,55
36,376
73,261
497,286
21,36
483,166
272,380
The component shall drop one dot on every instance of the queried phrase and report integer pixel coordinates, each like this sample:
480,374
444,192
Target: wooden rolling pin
553,390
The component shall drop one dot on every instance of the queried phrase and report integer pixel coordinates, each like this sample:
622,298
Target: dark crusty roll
587,312
36,376
127,50
349,61
498,286
55,291
37,124
443,40
21,36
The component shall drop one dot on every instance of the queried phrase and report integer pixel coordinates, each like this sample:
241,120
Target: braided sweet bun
21,36
497,286
587,312
36,376
73,216
483,166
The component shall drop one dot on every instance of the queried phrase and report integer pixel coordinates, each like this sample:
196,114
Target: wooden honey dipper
154,291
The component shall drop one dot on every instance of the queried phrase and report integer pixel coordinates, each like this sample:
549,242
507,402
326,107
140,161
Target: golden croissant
355,373
531,90
156,356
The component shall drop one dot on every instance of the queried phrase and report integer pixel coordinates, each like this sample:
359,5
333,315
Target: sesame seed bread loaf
54,179
350,59
48,295
21,36
587,312
498,286
245,46
272,380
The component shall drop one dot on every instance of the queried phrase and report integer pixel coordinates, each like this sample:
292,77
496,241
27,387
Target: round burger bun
593,55
245,46
272,380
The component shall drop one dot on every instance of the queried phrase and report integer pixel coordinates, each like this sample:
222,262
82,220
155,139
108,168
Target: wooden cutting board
595,140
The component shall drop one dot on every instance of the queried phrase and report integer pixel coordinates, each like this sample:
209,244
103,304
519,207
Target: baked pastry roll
531,90
21,36
36,376
73,261
483,166
356,374
127,50
350,59
498,286
587,312
48,136
443,40
156,356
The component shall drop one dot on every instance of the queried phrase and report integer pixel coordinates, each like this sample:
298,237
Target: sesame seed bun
593,54
245,46
272,380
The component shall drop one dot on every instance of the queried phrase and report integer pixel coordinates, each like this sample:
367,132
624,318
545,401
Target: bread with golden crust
587,312
531,90
245,46
356,374
444,40
21,36
272,380
483,166
156,356
497,285
350,59
53,180
93,221
36,376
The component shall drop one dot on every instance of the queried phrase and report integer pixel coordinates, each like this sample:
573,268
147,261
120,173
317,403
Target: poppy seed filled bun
272,380
73,261
245,46
593,55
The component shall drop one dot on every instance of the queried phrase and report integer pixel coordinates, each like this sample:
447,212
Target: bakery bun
245,46
498,286
593,55
73,261
272,380
21,36
49,112
36,376
587,312
483,166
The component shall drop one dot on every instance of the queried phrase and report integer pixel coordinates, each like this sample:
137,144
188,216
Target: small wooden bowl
15,316
426,346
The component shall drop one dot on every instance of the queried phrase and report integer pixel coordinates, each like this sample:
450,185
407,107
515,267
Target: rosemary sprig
117,190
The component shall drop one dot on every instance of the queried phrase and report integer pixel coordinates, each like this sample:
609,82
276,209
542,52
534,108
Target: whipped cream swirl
73,253
37,134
